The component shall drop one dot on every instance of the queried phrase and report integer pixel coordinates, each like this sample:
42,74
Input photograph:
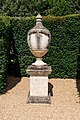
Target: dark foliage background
4,51
45,7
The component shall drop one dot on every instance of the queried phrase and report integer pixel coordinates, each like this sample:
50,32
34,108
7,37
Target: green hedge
4,36
23,57
45,7
65,45
64,51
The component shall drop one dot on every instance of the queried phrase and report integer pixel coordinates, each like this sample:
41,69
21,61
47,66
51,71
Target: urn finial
38,18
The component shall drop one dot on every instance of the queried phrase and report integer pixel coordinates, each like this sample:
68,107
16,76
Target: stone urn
39,39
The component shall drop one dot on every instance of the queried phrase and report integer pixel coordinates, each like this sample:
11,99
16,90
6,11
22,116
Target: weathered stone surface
39,99
38,86
39,71
39,37
39,83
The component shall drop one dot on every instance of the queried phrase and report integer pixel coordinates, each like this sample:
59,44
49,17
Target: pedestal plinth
38,84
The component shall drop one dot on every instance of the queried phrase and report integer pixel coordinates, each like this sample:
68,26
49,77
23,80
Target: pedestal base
39,99
39,84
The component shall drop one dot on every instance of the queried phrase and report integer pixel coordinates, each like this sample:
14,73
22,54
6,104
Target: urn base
39,62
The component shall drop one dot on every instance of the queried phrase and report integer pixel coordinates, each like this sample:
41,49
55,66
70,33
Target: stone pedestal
38,84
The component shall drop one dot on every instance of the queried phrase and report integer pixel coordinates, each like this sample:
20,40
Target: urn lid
39,28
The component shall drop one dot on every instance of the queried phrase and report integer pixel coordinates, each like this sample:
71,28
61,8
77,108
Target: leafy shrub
45,7
4,36
23,57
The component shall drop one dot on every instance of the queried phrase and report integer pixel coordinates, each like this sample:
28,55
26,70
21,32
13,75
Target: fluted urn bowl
39,40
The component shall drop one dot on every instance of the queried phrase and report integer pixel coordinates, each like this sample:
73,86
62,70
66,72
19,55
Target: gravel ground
65,104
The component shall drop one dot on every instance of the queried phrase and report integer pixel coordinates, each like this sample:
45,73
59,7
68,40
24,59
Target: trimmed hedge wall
65,45
63,54
4,36
22,57
45,7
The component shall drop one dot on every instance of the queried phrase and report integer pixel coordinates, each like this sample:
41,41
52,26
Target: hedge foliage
4,36
22,57
45,7
63,54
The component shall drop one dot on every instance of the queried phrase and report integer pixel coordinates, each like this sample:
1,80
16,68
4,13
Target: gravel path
65,104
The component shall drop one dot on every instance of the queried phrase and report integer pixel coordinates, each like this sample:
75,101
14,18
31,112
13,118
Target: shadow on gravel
78,73
12,82
50,89
78,85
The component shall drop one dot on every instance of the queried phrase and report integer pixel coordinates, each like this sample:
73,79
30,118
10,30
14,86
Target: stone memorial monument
39,39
